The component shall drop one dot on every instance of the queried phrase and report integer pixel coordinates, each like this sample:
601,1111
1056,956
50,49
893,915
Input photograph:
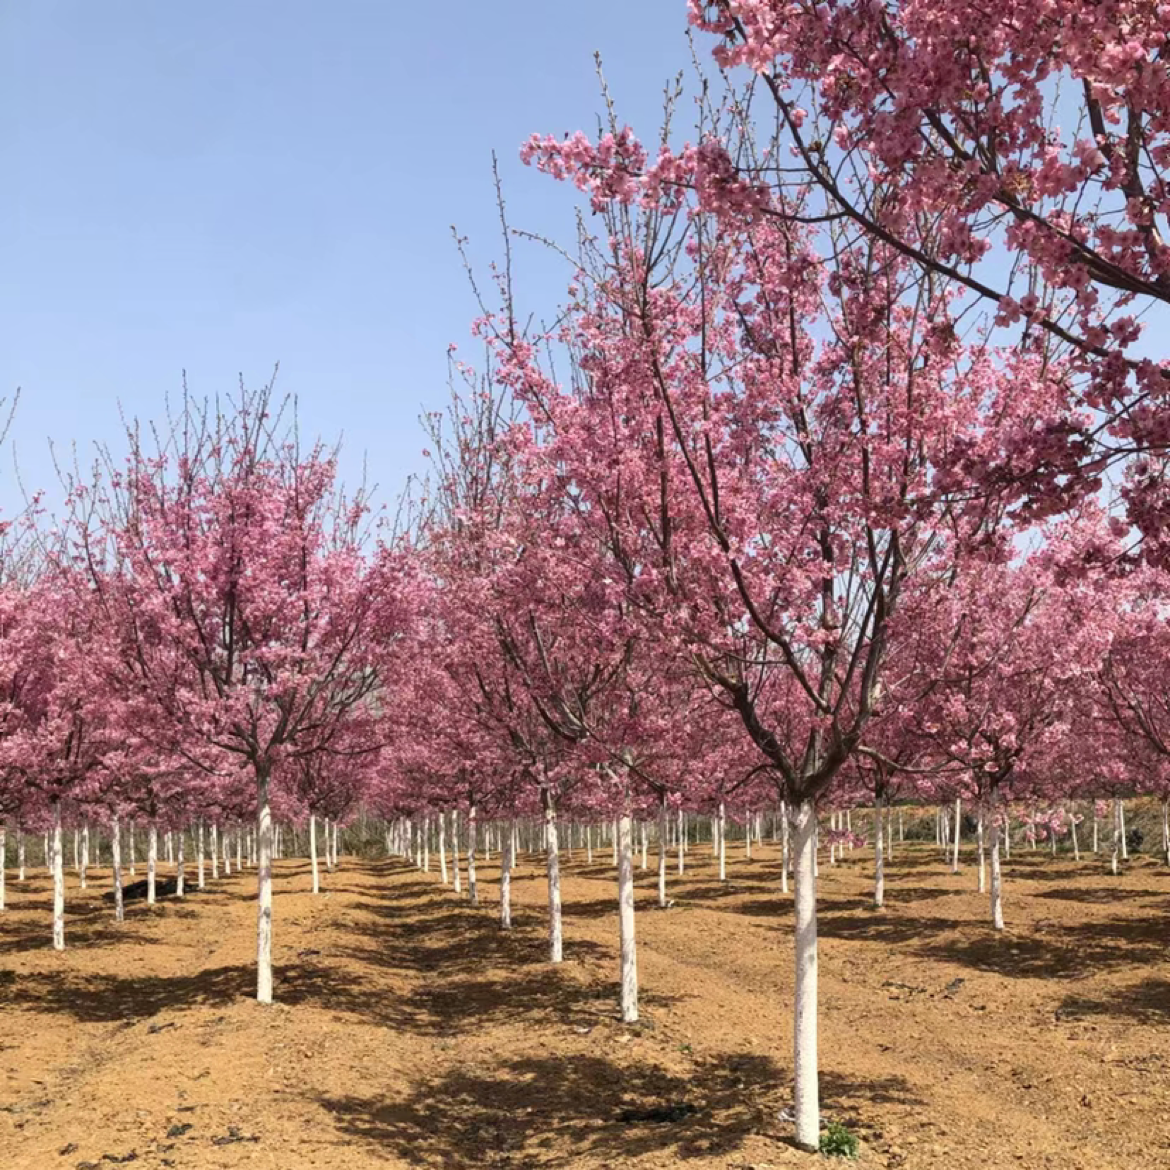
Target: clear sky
221,185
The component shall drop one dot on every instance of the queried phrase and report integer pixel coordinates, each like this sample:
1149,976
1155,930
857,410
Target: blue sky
220,186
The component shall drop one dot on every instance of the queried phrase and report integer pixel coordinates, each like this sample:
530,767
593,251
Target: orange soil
412,1032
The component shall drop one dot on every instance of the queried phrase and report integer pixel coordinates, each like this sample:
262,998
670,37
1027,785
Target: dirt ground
411,1032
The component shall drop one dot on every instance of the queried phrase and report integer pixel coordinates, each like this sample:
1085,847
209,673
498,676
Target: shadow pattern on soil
551,1112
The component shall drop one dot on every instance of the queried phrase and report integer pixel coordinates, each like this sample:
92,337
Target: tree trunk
958,826
200,876
84,854
180,888
314,864
151,862
1072,825
19,854
1117,835
722,843
553,864
1121,823
628,946
263,889
996,875
879,866
472,826
3,859
785,847
982,851
662,829
455,851
443,847
1165,837
214,850
116,848
682,841
58,862
506,883
807,1086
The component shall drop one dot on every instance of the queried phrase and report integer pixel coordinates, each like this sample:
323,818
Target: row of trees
775,514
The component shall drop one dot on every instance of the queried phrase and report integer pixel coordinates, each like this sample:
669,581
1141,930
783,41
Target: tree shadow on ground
553,1111
880,926
1058,952
1099,895
106,998
1146,1003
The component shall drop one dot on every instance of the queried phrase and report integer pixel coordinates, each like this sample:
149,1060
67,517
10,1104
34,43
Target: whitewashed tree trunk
747,837
553,866
806,1105
472,830
1118,839
200,848
613,829
1165,837
1096,836
84,854
263,889
314,863
889,835
226,841
214,850
1072,825
957,830
785,847
628,946
58,863
180,875
443,847
455,850
240,849
151,862
901,829
506,882
426,836
116,849
982,851
130,844
662,833
722,843
642,833
588,844
19,854
1007,833
3,859
879,860
1121,822
996,875
682,841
